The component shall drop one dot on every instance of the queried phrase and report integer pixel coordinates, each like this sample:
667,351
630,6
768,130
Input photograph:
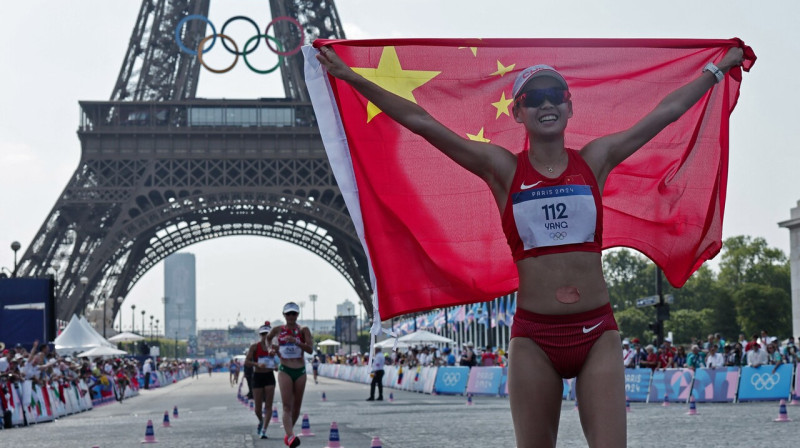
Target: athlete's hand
334,65
262,365
734,57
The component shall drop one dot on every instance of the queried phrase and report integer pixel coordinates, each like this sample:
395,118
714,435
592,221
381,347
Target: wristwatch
710,67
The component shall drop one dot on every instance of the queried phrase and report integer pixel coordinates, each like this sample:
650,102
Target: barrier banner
565,391
390,376
761,384
797,381
451,380
484,380
572,394
675,384
430,379
715,385
637,384
504,386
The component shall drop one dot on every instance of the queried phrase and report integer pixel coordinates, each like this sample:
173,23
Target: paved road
210,416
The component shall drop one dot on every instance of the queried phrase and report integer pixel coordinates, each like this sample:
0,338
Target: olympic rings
558,235
178,33
278,49
245,53
222,37
252,22
765,381
295,23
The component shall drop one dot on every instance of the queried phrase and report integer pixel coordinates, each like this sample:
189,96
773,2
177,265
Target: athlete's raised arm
605,153
492,163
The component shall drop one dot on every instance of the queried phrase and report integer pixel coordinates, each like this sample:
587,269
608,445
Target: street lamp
84,281
349,328
151,327
143,313
105,300
120,299
156,327
313,299
15,247
133,316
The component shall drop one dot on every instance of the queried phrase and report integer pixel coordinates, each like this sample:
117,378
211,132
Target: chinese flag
432,230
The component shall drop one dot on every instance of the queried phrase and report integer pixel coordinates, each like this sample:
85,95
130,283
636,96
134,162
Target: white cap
626,342
291,307
536,71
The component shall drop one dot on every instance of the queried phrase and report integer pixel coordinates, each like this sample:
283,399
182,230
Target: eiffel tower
161,170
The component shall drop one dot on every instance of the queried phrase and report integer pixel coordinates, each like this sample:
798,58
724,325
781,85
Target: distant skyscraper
180,304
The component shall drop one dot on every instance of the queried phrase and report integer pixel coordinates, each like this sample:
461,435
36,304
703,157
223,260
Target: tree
763,307
627,277
633,322
686,324
749,260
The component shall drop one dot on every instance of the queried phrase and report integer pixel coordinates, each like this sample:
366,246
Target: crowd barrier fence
30,403
721,385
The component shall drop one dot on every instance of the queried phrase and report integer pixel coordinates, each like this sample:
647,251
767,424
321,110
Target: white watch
710,67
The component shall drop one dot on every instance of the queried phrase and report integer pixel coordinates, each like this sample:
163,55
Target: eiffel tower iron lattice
161,170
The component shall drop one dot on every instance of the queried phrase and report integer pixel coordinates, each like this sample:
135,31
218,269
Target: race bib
268,361
554,216
289,351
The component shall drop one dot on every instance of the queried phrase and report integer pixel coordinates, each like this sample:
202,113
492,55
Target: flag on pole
431,230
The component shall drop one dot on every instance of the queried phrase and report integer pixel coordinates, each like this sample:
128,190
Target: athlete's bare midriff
541,277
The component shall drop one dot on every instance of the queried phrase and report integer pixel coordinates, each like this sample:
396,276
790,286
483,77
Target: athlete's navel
568,294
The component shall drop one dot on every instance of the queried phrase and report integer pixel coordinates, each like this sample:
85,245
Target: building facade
180,300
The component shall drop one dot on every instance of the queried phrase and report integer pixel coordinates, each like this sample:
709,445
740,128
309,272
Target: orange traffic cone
166,419
782,415
376,443
149,433
333,438
305,428
692,406
795,401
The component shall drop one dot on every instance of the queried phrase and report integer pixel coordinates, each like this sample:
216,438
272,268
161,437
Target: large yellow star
478,137
391,76
502,106
502,70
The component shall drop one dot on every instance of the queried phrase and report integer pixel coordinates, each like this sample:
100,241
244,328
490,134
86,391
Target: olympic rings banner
637,384
675,384
717,385
249,46
451,380
761,384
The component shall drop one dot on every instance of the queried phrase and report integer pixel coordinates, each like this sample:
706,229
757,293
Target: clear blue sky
57,53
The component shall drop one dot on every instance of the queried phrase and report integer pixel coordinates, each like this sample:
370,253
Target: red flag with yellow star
432,230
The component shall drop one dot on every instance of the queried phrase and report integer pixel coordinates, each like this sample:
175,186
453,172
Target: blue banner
451,380
637,384
715,385
674,384
485,380
761,384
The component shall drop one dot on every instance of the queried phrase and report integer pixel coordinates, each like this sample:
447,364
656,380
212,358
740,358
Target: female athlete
261,357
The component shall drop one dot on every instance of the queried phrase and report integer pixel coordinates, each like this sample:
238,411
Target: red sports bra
547,216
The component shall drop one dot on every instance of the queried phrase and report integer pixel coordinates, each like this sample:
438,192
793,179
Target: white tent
423,336
102,351
79,336
391,344
100,339
327,342
126,337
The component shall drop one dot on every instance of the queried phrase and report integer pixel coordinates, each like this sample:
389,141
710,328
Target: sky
54,54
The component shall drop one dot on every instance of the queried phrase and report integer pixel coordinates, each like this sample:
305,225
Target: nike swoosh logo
525,187
588,330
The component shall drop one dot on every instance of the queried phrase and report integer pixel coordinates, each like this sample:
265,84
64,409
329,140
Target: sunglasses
291,313
536,97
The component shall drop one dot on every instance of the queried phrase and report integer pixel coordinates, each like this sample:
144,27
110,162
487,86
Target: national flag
512,310
460,314
493,312
471,314
482,314
431,230
501,311
438,320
